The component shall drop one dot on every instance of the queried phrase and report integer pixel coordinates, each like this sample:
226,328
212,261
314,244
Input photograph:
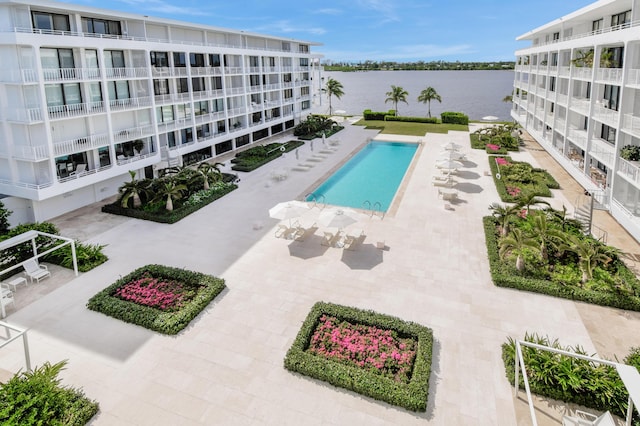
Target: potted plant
630,152
138,144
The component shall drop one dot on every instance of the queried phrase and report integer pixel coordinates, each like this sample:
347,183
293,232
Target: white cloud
161,6
287,27
384,8
328,11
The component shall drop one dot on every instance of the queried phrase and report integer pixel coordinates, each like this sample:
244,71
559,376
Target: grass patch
387,377
410,129
159,298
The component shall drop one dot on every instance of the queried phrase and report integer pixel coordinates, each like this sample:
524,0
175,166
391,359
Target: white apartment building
577,92
88,94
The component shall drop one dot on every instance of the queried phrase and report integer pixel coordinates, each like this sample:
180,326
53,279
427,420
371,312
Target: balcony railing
274,86
631,124
31,153
233,70
206,71
560,125
630,170
130,103
173,125
165,98
180,71
23,115
80,144
584,73
83,174
18,76
609,75
133,133
605,115
578,137
235,90
564,71
63,74
595,32
74,110
603,150
634,77
562,99
581,105
139,157
235,111
553,69
206,117
136,72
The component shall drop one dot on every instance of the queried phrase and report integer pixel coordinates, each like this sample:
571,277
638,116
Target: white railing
133,133
62,74
605,115
256,88
271,69
80,144
209,116
19,75
578,137
609,75
631,123
553,69
582,72
233,70
74,110
564,71
31,153
8,338
162,71
122,104
26,185
181,71
128,72
634,77
139,157
592,33
173,125
235,111
235,90
581,105
168,97
275,86
562,99
603,150
23,115
206,71
560,125
253,70
630,170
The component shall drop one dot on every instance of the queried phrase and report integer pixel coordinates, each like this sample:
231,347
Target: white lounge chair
34,270
79,170
6,298
583,418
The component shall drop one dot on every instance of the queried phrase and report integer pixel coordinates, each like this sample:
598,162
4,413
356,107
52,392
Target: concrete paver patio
227,366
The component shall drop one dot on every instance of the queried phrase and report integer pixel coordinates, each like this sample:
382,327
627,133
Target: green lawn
410,129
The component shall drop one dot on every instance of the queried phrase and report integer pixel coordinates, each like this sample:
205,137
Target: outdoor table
16,282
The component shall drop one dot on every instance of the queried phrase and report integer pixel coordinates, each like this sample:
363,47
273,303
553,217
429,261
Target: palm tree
546,233
590,254
209,171
333,88
172,191
503,214
508,98
397,94
515,243
530,199
132,191
427,95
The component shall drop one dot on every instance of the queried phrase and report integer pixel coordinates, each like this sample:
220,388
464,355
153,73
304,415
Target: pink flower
502,162
493,147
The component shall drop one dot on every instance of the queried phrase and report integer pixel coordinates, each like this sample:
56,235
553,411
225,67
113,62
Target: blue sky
378,30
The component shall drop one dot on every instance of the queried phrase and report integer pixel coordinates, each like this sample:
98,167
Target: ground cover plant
38,398
496,139
177,193
373,354
545,252
516,180
260,155
314,126
568,379
157,297
410,128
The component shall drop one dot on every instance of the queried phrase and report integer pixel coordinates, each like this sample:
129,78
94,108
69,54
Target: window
608,133
183,85
50,21
304,91
56,58
221,126
286,46
203,131
159,59
597,25
200,108
171,139
114,59
612,96
306,105
217,105
183,111
186,135
91,58
286,77
621,19
101,26
216,83
198,84
160,87
288,93
304,48
118,89
179,59
253,61
556,36
304,62
254,80
63,94
552,84
196,60
214,60
164,114
95,92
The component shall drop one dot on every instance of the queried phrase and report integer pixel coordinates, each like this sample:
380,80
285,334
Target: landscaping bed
258,156
518,179
372,354
496,139
159,298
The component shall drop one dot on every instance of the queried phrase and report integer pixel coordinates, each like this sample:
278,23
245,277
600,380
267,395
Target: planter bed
160,298
372,354
246,162
510,191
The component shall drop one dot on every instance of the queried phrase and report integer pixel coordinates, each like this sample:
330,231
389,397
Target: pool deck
227,366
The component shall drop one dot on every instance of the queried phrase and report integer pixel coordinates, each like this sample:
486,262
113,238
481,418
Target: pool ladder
315,199
374,210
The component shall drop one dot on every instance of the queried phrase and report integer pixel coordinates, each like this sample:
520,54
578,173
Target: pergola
31,236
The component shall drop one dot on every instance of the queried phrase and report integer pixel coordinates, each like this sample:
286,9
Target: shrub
454,118
4,219
36,398
411,395
372,115
432,120
522,175
88,256
206,288
258,156
630,152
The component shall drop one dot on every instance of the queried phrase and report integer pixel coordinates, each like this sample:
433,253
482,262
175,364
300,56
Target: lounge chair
353,238
300,232
6,298
583,418
79,170
35,270
283,231
331,240
449,182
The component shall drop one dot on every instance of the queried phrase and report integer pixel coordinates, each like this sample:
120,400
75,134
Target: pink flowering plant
157,297
368,347
502,161
492,147
376,355
514,191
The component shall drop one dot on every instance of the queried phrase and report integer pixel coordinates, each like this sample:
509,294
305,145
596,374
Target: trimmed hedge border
543,190
454,118
152,318
412,395
172,217
431,120
288,146
377,115
334,129
503,278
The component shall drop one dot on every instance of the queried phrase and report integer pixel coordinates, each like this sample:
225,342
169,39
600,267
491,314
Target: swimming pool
373,174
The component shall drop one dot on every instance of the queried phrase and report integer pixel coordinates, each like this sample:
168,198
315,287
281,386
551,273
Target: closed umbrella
490,118
451,155
338,217
449,164
451,146
288,210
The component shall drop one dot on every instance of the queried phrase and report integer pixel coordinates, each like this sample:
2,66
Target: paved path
227,367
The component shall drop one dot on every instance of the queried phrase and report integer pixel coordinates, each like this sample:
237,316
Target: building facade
86,95
577,92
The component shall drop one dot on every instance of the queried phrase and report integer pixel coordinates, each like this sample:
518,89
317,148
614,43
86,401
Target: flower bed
375,355
517,179
159,298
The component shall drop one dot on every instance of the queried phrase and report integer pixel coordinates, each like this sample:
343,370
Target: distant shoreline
421,66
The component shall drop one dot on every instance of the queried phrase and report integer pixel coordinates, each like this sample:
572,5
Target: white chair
79,170
582,418
35,270
6,298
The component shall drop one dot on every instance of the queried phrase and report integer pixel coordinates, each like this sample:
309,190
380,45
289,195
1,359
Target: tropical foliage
395,95
333,88
496,139
4,219
257,156
427,95
38,398
315,125
516,181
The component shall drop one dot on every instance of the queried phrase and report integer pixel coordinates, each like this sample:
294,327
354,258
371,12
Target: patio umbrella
288,210
490,118
450,155
338,217
324,142
451,146
340,112
449,164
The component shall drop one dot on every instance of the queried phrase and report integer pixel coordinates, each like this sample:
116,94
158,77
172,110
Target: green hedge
373,115
258,156
568,379
37,398
412,395
164,216
454,118
155,319
542,188
334,129
503,276
431,120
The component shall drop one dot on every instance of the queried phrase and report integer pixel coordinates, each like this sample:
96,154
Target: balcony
80,144
174,125
255,88
21,76
603,151
235,90
631,124
605,115
582,73
31,153
165,98
236,111
271,69
114,73
206,71
609,75
65,74
180,72
74,110
162,71
133,133
560,125
83,174
581,105
23,115
127,160
634,78
553,70
233,70
630,170
578,137
564,71
130,103
275,86
209,116
562,99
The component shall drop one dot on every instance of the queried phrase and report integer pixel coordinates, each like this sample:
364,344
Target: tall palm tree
172,191
427,95
397,94
544,231
333,88
590,254
209,171
132,190
504,214
515,243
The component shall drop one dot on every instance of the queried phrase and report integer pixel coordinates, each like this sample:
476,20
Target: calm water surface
476,93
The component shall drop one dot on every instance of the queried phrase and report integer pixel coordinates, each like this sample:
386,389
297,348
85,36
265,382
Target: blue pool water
373,174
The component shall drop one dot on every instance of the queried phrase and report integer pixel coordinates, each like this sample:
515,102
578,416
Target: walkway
226,368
